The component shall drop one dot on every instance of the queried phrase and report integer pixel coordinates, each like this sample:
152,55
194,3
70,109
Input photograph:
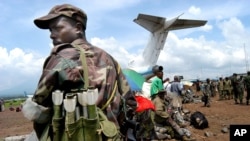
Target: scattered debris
224,130
16,138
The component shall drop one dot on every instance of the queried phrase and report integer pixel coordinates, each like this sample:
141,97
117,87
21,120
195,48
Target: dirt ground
13,123
220,114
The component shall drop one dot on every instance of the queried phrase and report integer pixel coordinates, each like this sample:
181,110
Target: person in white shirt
167,84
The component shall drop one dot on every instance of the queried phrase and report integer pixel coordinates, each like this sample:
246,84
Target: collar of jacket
76,42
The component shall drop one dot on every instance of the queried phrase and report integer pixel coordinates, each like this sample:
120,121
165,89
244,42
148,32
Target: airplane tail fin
159,27
149,22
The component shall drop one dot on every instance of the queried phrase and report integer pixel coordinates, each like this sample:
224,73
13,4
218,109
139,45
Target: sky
218,49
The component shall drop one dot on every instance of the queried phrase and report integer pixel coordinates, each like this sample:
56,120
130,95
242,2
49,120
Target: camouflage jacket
207,89
234,82
240,87
221,86
63,71
161,113
227,84
247,82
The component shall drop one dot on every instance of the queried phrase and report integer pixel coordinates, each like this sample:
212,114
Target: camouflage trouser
213,92
222,94
178,117
235,94
248,95
146,128
180,131
173,129
206,100
169,130
228,93
240,95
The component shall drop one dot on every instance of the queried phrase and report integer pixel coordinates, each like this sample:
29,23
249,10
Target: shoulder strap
85,75
113,92
84,65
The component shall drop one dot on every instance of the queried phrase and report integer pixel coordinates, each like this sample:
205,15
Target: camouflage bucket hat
62,10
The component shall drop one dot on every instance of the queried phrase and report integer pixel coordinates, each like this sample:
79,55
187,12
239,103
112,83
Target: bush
13,103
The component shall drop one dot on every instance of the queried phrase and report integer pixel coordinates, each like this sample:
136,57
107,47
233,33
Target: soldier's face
62,31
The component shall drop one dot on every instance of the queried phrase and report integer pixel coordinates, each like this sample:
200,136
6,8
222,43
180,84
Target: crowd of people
168,97
228,88
167,119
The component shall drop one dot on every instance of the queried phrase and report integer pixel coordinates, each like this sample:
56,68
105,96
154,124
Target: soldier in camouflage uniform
162,118
221,89
247,86
240,89
207,93
227,87
63,70
234,85
213,88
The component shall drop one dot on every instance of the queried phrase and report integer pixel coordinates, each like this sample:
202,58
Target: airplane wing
154,23
184,23
151,23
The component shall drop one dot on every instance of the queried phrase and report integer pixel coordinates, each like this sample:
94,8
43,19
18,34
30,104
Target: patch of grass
13,103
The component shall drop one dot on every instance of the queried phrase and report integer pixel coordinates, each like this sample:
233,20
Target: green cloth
156,86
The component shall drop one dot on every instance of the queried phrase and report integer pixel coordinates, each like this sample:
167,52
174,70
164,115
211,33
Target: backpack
199,120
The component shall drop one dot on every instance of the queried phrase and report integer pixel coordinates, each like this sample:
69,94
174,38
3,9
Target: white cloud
194,10
17,59
196,57
207,27
233,31
3,57
115,49
18,67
